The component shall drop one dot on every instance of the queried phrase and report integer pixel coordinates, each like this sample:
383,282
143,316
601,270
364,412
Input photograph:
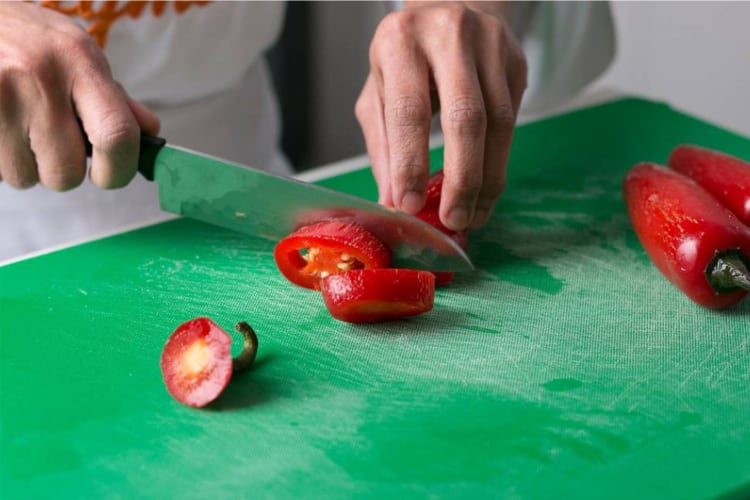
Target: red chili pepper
369,295
431,215
697,243
325,248
722,175
434,188
197,363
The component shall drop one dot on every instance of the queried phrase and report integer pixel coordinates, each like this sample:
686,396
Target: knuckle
466,115
501,117
410,177
22,65
362,108
392,34
458,18
396,24
410,170
466,186
519,62
516,66
61,178
116,129
520,73
77,45
406,166
408,111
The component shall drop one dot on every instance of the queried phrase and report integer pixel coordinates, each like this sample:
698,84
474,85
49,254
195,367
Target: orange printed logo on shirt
101,15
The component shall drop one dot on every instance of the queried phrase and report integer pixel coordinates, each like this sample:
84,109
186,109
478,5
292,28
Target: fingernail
458,219
412,202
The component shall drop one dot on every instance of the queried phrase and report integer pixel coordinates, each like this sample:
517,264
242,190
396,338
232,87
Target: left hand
464,60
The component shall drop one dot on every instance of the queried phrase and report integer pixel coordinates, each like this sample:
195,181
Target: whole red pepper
724,176
696,242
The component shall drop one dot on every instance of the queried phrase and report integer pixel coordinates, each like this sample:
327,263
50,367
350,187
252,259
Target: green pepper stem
728,272
249,348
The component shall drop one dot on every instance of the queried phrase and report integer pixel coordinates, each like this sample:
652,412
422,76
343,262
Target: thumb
147,119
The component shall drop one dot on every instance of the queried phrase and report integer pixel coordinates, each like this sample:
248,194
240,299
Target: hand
51,74
465,60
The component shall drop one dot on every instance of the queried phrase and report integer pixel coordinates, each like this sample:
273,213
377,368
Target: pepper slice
370,295
326,248
197,363
431,215
724,176
697,243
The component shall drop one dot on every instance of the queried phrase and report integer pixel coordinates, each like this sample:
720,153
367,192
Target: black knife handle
150,146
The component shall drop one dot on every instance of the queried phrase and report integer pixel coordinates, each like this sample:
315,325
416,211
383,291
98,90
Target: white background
695,55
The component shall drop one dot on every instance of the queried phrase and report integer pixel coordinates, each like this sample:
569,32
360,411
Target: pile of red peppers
693,219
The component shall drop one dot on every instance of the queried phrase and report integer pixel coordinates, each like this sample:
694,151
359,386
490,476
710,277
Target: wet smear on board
518,270
471,437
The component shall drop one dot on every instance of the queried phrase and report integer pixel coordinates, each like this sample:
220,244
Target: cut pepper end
197,364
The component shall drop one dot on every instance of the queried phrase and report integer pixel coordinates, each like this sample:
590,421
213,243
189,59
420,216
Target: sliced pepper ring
326,248
370,295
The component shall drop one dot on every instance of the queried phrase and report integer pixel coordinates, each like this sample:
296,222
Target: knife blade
258,203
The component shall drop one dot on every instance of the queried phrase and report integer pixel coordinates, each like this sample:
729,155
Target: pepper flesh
325,248
682,227
724,176
370,295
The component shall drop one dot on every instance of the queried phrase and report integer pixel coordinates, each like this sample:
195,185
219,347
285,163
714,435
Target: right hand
52,74
463,59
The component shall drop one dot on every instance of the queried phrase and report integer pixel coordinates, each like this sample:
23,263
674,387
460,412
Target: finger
516,69
502,107
111,128
463,120
57,144
369,112
406,95
500,122
147,119
18,166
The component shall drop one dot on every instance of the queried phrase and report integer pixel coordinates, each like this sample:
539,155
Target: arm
52,74
459,58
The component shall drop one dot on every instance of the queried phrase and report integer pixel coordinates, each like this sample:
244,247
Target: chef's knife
262,204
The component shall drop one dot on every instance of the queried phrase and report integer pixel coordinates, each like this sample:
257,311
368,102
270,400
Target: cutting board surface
564,365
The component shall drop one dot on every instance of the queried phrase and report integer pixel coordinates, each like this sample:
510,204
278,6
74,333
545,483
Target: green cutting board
564,366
